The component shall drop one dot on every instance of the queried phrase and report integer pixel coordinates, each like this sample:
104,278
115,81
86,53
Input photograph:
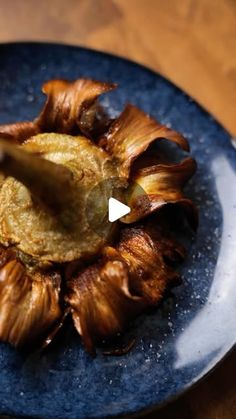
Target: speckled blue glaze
194,328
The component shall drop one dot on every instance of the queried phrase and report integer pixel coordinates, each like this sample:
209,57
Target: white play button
116,210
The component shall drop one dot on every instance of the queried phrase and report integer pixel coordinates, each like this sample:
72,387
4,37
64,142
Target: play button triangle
116,210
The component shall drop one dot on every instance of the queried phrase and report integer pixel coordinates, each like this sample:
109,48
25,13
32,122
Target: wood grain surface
191,42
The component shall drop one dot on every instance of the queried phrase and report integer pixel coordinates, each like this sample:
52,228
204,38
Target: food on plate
53,259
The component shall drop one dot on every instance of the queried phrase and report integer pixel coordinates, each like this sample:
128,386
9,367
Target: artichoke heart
66,235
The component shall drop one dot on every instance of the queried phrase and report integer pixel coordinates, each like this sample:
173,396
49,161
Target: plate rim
119,57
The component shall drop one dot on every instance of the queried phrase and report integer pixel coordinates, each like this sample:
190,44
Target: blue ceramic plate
194,329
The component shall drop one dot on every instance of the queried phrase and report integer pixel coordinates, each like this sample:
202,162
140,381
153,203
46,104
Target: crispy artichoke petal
149,254
66,101
64,111
100,299
19,131
155,186
132,133
29,303
131,277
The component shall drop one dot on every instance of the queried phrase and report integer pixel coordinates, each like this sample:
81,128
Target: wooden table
191,42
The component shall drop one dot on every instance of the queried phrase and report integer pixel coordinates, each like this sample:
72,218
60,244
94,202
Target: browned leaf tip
19,131
119,350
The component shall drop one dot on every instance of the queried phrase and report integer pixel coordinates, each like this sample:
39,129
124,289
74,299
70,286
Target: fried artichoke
50,169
